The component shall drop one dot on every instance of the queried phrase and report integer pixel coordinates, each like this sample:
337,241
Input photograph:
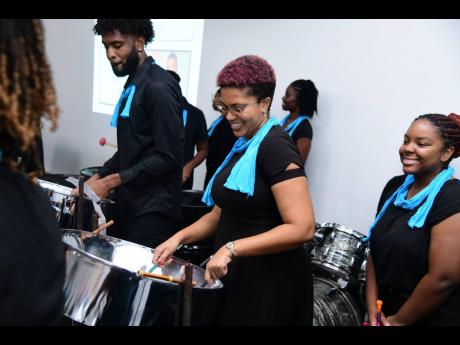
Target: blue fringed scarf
428,193
243,175
128,92
293,125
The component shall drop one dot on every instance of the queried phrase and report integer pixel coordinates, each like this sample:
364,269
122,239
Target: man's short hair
137,27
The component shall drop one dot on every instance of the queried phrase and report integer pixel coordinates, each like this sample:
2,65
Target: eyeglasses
237,109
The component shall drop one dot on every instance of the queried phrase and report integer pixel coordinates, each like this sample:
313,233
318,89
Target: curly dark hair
252,72
27,93
449,129
137,27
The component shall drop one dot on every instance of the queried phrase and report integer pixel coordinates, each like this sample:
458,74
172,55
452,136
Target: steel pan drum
341,252
321,232
63,202
334,306
102,286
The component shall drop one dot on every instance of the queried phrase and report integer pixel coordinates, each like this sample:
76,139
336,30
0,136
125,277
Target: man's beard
130,66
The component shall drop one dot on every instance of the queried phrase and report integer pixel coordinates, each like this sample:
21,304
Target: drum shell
59,192
321,232
341,253
334,306
100,292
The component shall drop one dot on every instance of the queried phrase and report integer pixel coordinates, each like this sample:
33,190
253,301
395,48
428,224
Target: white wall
373,77
70,47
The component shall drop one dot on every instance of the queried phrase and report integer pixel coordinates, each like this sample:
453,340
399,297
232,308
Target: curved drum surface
63,202
102,286
333,306
341,252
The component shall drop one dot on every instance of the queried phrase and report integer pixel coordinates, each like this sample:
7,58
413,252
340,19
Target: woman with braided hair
414,261
300,100
32,262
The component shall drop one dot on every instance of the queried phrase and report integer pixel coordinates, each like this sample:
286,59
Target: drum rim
194,192
349,231
92,256
73,196
333,267
343,228
122,269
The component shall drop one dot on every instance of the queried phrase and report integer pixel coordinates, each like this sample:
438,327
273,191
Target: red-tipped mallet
103,142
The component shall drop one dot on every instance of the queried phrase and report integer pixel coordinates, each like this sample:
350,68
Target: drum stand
184,307
187,296
80,203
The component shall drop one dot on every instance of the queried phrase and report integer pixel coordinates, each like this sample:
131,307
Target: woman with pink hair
262,211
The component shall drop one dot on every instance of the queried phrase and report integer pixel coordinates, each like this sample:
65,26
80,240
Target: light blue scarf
184,116
128,92
243,175
428,193
214,125
293,125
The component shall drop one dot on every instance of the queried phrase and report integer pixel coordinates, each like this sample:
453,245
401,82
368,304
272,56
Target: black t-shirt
150,146
272,289
303,131
32,259
195,132
220,144
400,254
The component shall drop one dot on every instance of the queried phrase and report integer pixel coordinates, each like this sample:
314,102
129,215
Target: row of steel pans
103,285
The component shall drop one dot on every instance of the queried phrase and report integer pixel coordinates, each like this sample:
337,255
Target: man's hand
186,172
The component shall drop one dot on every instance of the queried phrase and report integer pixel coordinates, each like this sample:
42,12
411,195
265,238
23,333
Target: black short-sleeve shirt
303,131
400,254
271,289
195,131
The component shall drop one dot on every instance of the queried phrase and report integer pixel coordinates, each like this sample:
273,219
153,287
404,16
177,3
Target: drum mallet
378,321
102,227
103,142
80,203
